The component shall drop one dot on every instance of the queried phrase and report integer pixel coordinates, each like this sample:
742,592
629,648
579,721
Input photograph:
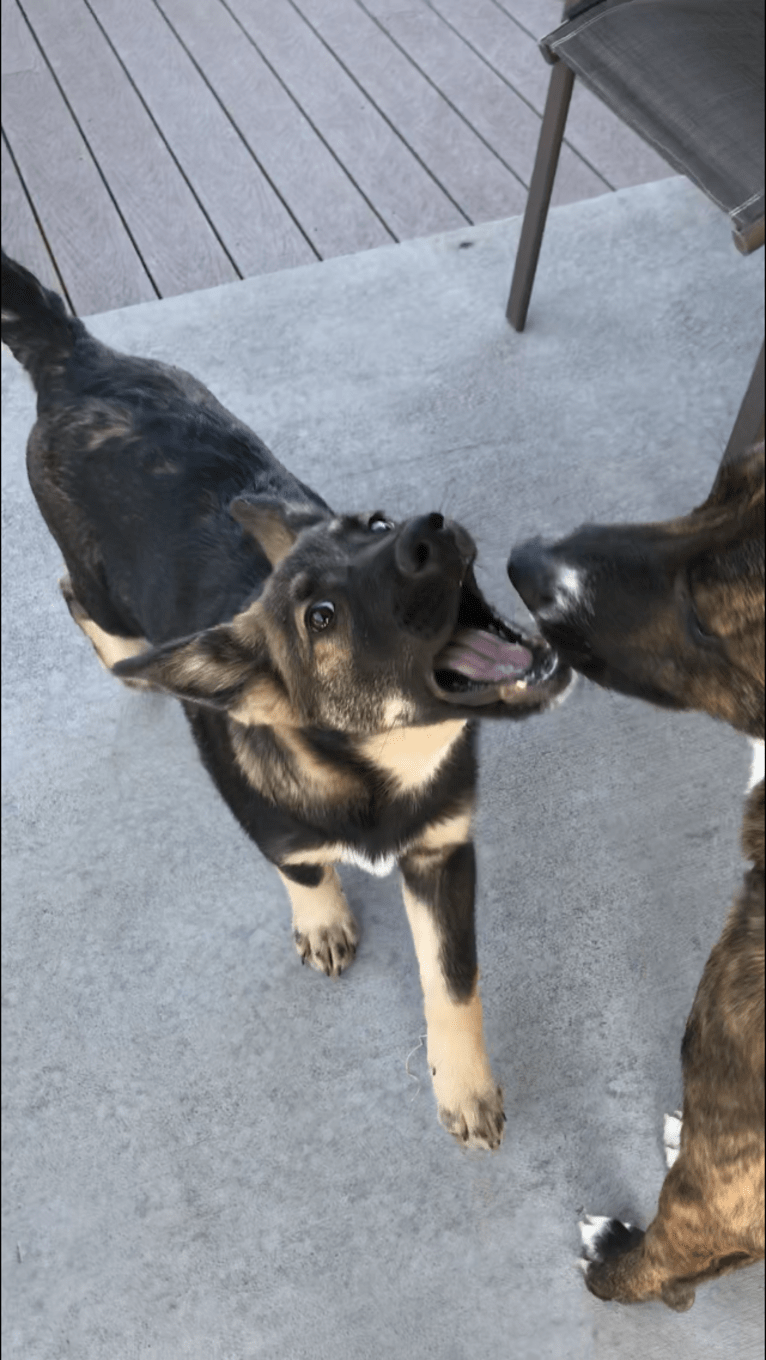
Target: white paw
605,1238
591,1228
671,1136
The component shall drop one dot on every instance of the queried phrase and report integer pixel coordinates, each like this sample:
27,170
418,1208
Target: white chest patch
347,854
757,767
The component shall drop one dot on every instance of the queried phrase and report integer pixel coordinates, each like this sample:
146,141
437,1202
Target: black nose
418,544
533,572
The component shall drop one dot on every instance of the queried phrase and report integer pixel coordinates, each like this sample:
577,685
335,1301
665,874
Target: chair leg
540,189
748,427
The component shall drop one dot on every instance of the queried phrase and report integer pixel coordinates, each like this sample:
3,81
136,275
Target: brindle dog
329,665
674,613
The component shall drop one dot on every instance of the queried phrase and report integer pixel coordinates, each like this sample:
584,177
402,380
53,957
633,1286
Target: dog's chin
487,665
621,676
632,686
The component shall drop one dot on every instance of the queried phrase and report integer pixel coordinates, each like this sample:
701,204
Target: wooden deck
160,146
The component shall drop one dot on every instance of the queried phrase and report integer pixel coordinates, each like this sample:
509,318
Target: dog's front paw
617,1267
478,1121
605,1238
603,1241
330,948
469,1100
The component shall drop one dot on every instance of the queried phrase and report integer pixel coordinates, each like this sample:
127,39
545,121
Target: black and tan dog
329,665
674,613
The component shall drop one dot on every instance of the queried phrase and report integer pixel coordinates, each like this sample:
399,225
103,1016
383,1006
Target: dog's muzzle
550,588
428,545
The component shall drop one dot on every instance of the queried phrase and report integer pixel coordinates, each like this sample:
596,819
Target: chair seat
688,76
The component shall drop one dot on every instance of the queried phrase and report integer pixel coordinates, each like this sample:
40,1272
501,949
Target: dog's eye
697,628
378,523
320,616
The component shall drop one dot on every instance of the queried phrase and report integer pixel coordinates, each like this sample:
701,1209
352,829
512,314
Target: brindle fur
193,557
674,613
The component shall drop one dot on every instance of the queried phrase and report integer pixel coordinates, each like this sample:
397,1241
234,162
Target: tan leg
108,647
326,934
438,896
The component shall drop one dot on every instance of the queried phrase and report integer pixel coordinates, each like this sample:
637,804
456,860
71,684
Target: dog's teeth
508,691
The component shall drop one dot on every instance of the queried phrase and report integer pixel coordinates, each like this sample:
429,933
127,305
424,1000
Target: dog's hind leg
109,648
439,874
710,1218
696,1235
325,932
623,1263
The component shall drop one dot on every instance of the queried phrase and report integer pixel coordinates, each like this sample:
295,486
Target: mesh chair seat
688,77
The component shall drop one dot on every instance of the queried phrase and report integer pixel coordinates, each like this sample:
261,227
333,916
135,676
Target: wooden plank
251,220
469,171
537,16
506,45
496,111
172,234
612,148
92,249
21,234
330,208
405,195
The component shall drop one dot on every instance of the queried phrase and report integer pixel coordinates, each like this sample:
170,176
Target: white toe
590,1231
672,1137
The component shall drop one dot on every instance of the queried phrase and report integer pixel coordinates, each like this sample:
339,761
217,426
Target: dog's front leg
439,884
325,932
709,1219
694,1237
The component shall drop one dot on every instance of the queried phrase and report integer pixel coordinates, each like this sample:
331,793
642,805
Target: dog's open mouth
485,660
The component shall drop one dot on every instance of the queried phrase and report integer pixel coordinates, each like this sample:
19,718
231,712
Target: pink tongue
484,656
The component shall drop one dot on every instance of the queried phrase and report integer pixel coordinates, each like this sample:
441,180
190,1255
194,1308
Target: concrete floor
214,1154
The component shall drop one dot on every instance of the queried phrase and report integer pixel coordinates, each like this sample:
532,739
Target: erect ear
274,524
225,667
738,473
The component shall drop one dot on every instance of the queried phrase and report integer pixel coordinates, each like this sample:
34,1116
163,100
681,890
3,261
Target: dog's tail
35,324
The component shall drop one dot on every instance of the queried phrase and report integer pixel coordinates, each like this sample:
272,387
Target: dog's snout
417,546
534,573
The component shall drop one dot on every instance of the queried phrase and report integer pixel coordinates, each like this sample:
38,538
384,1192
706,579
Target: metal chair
688,76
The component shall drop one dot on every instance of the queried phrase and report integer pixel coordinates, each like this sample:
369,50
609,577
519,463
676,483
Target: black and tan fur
674,613
304,646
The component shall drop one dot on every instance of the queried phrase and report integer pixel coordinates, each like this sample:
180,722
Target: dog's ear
739,473
227,667
273,524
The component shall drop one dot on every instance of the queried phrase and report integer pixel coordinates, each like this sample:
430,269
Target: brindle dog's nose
533,572
417,546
